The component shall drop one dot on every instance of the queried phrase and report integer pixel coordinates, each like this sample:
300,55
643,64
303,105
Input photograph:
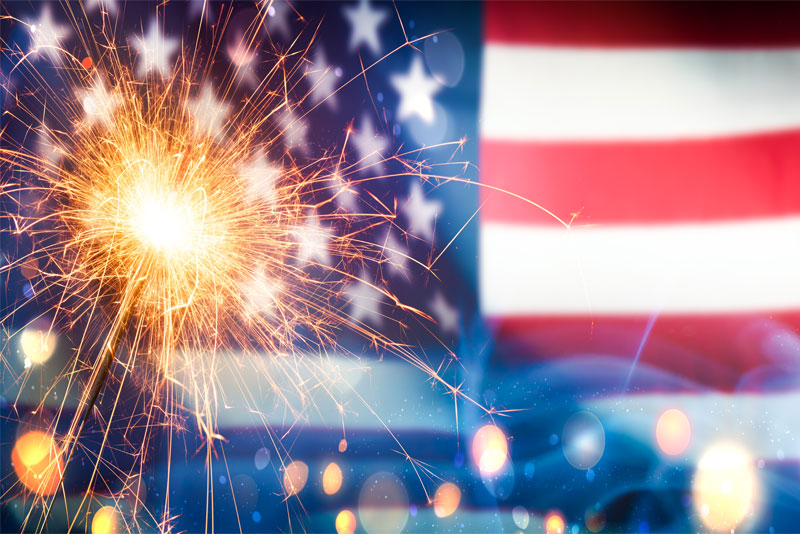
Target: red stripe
714,351
635,182
656,24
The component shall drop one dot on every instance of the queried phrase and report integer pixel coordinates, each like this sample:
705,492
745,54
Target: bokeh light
105,521
137,494
295,477
345,522
262,458
521,517
383,504
38,343
583,440
444,56
673,432
554,523
724,486
595,519
446,499
37,462
331,478
500,484
245,491
489,449
30,268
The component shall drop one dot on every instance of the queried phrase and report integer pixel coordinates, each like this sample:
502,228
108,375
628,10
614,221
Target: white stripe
764,424
547,93
688,268
309,390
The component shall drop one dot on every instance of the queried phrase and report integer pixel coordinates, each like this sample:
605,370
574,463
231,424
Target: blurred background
618,275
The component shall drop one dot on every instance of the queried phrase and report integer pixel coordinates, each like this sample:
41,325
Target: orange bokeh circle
37,462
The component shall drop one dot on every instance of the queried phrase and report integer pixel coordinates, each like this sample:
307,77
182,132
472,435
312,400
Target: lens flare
554,523
331,478
383,504
490,449
521,517
295,477
37,462
345,522
583,440
105,521
38,343
724,487
673,432
446,499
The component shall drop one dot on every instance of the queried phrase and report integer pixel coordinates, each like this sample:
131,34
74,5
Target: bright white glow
680,268
553,93
490,449
164,225
724,486
37,344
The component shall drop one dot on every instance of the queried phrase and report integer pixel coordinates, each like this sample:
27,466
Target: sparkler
163,211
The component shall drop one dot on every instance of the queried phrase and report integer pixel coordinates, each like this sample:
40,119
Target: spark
150,240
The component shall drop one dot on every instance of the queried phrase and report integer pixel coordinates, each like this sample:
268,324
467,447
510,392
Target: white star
421,213
444,313
416,92
313,238
46,36
260,176
323,80
242,58
344,194
395,253
209,113
98,103
109,6
259,294
365,301
154,52
295,131
364,23
370,147
277,21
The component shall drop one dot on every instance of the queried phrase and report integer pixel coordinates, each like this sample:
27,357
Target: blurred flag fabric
666,135
657,270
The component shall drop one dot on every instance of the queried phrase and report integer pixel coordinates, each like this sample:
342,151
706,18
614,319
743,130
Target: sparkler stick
98,379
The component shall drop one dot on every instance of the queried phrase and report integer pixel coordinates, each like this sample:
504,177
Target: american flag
628,245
